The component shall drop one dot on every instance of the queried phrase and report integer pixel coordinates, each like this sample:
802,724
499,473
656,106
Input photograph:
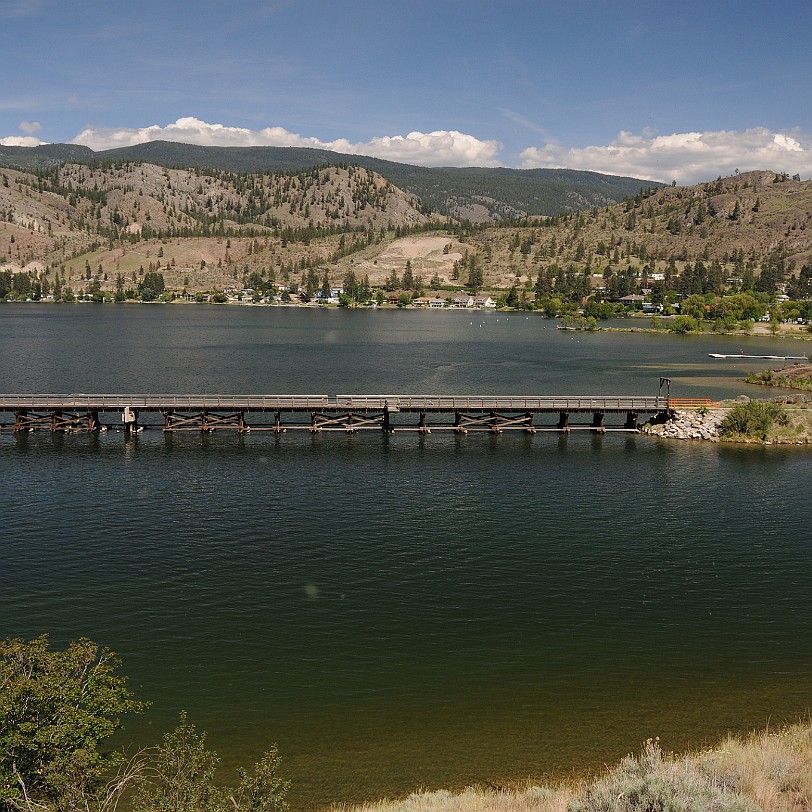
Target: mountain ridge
478,194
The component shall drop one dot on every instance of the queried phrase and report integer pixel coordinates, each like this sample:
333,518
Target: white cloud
438,148
30,127
20,141
687,157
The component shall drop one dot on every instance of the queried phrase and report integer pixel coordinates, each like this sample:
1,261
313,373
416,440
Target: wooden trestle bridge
316,413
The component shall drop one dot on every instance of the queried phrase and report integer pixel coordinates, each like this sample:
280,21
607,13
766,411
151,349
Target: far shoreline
787,330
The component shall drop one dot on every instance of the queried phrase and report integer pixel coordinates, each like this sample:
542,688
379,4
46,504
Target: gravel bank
690,425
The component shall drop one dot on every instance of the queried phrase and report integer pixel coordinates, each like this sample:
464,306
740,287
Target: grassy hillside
480,195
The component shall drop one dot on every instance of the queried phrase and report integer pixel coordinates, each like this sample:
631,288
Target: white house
484,301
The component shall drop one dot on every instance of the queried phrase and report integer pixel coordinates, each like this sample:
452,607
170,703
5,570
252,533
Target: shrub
764,377
752,420
652,783
686,324
181,779
57,708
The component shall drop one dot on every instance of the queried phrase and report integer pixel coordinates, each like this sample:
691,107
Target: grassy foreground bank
768,771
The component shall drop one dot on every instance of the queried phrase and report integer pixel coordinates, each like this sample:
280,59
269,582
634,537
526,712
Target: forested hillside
124,227
477,194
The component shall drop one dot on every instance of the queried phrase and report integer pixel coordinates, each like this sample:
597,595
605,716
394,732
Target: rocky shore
690,425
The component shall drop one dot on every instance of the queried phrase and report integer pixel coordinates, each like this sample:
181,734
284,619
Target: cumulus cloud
20,141
688,157
30,127
437,148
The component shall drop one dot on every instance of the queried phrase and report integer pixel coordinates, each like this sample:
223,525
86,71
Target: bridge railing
78,402
497,403
690,403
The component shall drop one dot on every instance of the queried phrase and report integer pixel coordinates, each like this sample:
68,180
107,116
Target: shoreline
792,331
704,425
765,770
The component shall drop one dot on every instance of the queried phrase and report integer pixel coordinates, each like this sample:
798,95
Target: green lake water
407,611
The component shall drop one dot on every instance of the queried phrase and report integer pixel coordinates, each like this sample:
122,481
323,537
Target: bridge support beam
31,421
564,421
597,422
495,422
203,421
349,422
631,421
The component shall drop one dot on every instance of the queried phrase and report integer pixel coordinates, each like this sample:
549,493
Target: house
427,301
484,302
634,300
462,301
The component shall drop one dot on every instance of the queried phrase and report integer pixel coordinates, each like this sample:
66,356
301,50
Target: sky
682,90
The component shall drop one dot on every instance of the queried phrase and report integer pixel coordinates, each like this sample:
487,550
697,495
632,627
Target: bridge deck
356,403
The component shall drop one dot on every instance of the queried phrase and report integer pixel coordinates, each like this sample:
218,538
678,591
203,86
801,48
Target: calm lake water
405,611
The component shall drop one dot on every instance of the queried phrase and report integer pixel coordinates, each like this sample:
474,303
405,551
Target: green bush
181,779
752,420
764,377
57,709
686,324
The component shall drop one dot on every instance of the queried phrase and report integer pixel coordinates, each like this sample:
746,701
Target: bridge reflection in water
346,413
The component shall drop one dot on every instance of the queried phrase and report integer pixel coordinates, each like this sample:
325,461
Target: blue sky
665,90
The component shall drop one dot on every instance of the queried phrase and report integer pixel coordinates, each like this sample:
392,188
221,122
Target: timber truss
57,420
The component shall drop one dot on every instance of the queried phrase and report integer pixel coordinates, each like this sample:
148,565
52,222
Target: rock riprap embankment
690,425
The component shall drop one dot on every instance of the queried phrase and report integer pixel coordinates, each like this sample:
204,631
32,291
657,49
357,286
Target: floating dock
764,357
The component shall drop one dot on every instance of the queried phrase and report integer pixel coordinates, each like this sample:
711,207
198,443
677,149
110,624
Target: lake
407,611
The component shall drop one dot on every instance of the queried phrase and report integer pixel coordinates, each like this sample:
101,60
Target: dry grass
471,799
764,772
798,428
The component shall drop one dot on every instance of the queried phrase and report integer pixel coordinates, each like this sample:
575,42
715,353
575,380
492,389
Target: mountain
476,194
68,207
212,228
32,159
738,226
